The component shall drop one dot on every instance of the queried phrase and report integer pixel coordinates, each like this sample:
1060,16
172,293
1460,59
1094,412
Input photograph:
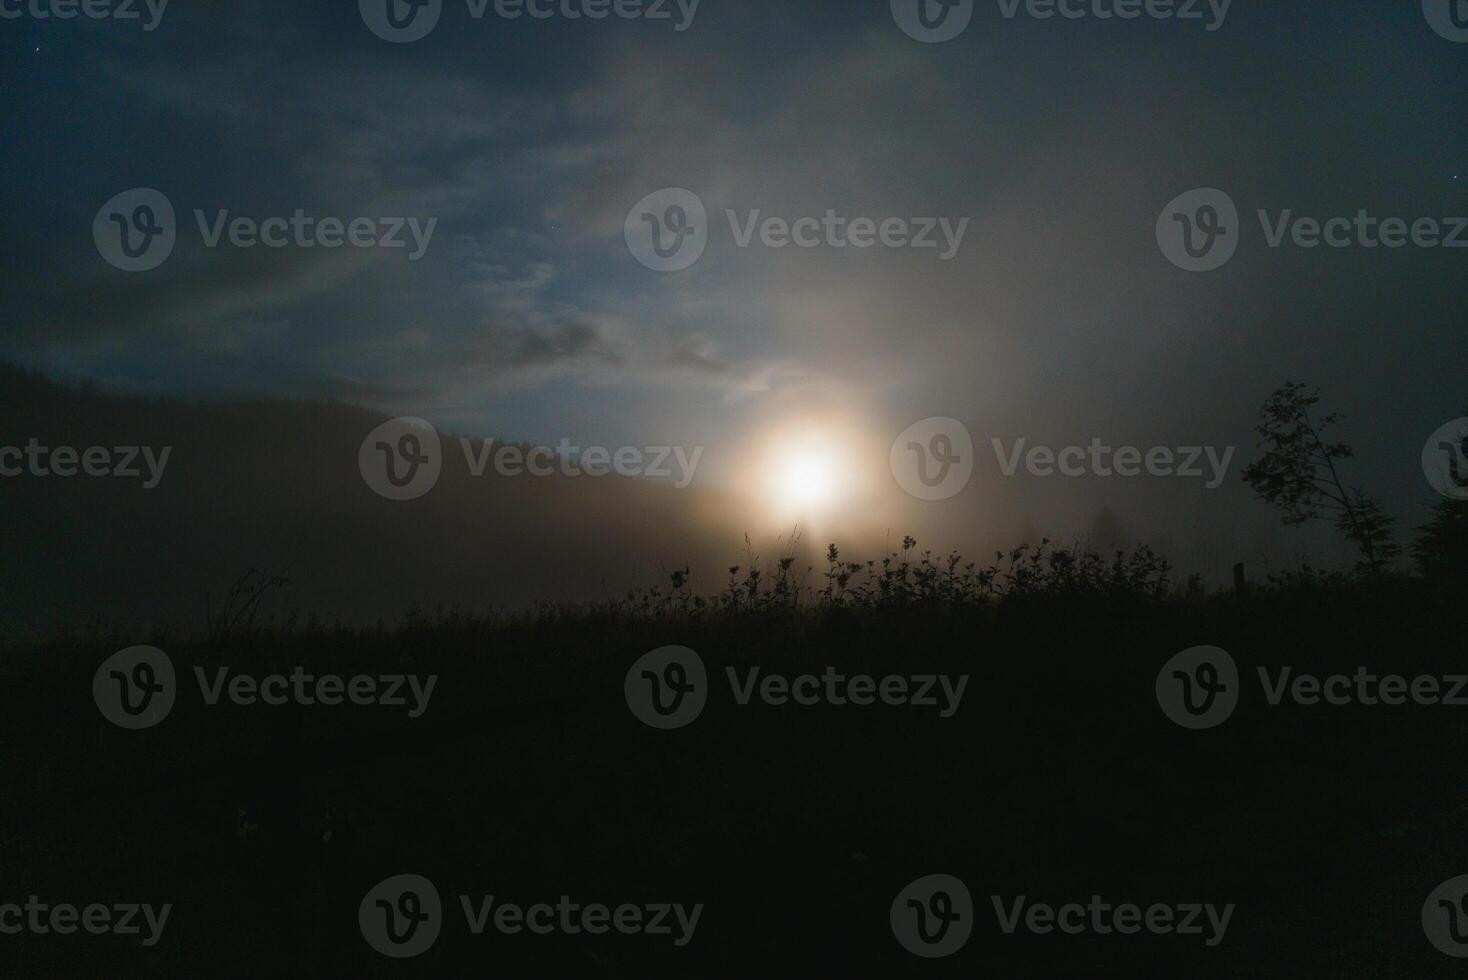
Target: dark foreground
528,778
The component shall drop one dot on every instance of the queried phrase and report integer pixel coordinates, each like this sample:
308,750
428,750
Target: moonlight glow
805,479
807,473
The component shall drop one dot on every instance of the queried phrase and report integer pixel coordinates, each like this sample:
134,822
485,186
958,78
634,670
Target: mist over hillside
274,486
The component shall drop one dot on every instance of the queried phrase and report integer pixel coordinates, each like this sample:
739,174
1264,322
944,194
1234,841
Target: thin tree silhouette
1298,474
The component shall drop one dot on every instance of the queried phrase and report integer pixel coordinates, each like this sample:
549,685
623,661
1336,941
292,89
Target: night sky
1058,320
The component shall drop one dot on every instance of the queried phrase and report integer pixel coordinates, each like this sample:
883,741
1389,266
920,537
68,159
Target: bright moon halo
805,480
806,477
810,473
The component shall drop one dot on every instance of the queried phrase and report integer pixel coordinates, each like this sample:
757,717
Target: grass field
527,776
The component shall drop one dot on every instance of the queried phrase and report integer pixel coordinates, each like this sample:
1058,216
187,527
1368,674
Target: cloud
695,354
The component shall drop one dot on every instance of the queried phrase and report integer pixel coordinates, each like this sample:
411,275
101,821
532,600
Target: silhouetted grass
528,778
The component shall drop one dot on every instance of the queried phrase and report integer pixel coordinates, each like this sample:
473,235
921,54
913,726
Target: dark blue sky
528,141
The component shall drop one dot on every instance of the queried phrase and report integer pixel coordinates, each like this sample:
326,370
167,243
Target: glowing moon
805,479
817,473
